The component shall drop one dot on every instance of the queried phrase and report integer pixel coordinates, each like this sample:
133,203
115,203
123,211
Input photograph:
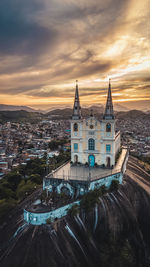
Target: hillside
14,108
98,112
19,116
65,114
115,232
133,114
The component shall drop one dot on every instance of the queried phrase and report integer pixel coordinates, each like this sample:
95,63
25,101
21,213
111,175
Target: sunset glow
46,45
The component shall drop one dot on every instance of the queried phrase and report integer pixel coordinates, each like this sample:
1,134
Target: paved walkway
83,173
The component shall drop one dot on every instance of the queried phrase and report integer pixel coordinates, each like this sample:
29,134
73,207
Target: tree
6,192
25,189
13,178
5,206
36,178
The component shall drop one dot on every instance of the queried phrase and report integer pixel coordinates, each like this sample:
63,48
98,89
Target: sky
45,45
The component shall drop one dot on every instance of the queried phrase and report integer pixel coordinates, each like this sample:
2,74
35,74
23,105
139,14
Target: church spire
76,109
109,113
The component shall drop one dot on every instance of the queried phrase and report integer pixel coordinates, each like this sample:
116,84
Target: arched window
75,127
91,144
108,127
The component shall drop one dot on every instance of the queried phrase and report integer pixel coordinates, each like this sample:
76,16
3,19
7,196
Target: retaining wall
40,218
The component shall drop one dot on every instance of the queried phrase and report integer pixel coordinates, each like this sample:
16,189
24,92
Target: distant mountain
143,105
20,116
133,114
60,113
98,112
96,109
67,112
118,107
14,108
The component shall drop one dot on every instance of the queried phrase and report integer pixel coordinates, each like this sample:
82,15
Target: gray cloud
20,34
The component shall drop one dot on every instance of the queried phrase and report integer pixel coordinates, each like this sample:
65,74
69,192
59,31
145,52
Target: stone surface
81,241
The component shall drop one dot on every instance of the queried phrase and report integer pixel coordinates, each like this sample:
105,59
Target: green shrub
13,178
25,189
36,178
6,192
48,221
74,210
92,197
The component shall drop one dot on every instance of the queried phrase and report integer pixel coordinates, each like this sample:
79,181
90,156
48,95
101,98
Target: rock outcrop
114,233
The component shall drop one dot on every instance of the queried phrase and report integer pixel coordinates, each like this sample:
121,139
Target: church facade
94,142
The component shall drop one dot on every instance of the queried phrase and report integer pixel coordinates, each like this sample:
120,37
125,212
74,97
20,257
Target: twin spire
108,114
77,108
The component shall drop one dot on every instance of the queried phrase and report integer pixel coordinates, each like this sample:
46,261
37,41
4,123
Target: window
108,148
91,144
108,127
75,127
75,147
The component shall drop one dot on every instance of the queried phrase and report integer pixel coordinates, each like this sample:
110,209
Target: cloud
46,45
20,34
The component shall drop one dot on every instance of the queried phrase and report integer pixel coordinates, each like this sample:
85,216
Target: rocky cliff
115,232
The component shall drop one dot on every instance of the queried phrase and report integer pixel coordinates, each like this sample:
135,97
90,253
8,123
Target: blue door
91,161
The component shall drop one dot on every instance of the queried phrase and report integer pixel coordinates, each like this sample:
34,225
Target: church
93,141
96,158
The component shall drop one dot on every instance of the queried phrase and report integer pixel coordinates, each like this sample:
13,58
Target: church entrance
91,160
75,158
108,162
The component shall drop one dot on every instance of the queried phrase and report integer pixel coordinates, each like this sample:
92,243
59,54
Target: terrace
85,173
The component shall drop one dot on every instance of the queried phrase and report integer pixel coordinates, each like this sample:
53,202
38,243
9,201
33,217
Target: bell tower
76,128
109,113
108,125
76,109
